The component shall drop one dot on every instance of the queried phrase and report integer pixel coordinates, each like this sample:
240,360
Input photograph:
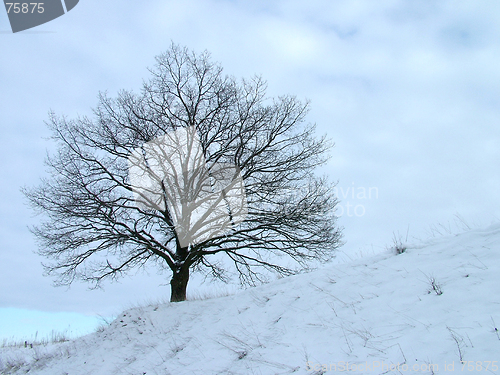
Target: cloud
407,90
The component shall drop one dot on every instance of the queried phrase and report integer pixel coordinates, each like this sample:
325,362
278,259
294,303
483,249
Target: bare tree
100,223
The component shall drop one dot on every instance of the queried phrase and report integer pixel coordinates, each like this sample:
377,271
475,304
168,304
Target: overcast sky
408,91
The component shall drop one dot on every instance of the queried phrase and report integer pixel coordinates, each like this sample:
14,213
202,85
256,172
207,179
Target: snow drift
433,309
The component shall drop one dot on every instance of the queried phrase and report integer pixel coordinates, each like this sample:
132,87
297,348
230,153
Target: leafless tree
95,227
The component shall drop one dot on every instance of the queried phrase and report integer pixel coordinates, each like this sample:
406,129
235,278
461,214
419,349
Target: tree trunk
179,283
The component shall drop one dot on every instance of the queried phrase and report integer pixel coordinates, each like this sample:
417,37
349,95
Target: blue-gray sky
408,90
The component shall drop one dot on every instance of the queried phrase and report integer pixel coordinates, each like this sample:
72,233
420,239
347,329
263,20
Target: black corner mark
70,4
25,14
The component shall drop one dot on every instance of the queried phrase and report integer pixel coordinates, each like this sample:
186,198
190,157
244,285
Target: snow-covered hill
421,311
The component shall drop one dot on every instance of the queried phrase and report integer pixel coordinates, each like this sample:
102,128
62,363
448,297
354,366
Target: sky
408,91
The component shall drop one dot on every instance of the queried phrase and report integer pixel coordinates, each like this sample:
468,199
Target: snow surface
374,313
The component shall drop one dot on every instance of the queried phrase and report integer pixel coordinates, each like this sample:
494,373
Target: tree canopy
251,157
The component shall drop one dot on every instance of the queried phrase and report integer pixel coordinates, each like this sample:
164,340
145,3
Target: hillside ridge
433,306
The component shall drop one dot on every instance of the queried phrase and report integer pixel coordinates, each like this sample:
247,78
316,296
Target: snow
365,316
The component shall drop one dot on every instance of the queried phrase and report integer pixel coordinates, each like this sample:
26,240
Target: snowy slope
372,313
